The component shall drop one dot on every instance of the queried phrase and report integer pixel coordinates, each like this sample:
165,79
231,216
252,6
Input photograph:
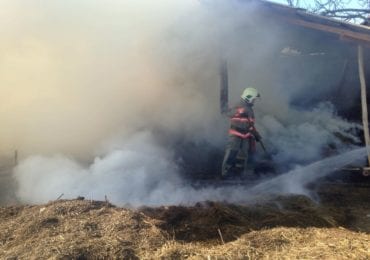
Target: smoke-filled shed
305,60
312,52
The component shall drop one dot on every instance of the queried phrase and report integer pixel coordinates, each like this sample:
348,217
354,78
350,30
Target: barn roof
300,17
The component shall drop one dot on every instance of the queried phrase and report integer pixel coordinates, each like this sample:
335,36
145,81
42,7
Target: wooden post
224,87
365,120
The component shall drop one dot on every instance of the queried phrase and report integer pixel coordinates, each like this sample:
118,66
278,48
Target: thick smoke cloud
75,73
302,135
135,174
90,80
121,177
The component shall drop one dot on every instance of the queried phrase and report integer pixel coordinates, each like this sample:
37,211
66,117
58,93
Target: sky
349,3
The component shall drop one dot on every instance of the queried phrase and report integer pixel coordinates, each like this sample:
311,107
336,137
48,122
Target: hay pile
205,221
76,229
278,243
284,227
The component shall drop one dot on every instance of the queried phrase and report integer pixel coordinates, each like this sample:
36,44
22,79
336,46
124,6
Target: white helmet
250,95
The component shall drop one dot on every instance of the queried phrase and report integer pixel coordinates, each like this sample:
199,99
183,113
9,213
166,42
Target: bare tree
340,9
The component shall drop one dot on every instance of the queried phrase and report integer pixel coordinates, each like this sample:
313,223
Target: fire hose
267,154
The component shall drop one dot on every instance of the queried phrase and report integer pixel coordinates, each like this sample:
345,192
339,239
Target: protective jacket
242,121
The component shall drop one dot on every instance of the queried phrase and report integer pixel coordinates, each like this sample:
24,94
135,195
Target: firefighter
242,134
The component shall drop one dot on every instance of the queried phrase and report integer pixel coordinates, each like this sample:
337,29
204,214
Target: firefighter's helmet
250,95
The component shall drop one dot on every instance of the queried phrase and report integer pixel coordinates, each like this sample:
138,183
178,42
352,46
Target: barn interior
306,60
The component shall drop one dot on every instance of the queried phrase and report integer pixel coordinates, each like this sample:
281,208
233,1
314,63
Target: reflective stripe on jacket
242,121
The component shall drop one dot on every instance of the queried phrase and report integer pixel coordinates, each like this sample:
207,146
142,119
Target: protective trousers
235,146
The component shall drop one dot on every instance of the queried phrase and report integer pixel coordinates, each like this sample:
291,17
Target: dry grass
76,229
279,243
291,227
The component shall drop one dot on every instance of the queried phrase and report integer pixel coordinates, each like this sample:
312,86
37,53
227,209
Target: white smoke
76,74
139,172
122,177
295,181
299,136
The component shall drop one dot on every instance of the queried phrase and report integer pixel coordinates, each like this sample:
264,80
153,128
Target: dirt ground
283,227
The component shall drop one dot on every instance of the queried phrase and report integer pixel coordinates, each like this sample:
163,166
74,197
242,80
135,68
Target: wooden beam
224,87
365,120
352,40
342,32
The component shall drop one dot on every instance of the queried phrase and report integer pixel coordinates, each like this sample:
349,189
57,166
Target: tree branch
340,9
365,11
